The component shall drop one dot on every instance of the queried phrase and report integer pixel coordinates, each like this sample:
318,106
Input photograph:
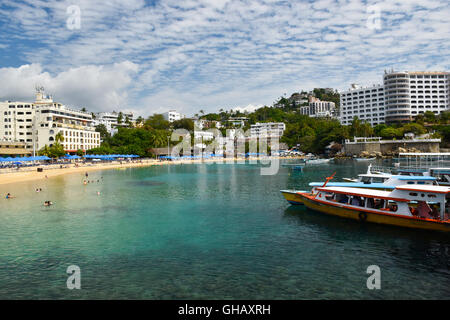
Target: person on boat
370,203
424,210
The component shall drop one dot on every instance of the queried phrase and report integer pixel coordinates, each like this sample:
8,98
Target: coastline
25,176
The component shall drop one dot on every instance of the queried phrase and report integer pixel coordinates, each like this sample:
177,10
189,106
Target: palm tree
59,137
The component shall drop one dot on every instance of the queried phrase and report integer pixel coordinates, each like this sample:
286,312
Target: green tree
157,122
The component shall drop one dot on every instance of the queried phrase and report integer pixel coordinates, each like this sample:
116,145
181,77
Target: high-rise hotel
401,97
37,124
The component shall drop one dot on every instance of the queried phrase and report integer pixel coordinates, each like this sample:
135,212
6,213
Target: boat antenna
328,179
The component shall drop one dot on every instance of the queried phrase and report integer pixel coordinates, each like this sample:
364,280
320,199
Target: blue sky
154,56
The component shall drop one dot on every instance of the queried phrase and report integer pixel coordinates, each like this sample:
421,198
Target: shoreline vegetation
51,171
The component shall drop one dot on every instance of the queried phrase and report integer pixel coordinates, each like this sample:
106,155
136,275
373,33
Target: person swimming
48,203
9,196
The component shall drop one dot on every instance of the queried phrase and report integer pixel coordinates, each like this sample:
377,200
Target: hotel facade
401,97
37,124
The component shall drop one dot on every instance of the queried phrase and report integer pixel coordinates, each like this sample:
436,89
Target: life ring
362,216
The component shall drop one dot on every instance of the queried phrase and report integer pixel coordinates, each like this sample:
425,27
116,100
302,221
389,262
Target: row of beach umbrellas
191,157
24,159
68,157
110,156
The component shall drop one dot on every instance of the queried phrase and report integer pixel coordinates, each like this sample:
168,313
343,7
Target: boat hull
367,216
292,196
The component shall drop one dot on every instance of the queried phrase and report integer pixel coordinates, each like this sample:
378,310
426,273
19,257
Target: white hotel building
365,103
38,123
267,129
401,97
172,116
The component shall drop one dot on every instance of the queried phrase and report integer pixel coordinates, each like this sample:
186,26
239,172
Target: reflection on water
202,232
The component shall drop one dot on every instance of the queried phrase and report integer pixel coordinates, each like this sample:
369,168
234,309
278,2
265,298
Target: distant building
238,121
267,129
172,116
317,108
111,120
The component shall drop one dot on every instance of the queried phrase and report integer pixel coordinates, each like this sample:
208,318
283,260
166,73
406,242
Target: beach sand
21,176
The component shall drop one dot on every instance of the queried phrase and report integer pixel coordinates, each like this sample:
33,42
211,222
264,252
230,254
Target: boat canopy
424,188
368,193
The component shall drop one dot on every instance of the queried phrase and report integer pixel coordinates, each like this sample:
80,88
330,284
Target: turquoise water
206,231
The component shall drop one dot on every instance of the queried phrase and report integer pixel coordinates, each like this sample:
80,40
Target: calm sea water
206,231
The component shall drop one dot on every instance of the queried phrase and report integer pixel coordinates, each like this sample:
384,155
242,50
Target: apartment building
366,103
267,129
37,123
172,116
111,119
317,108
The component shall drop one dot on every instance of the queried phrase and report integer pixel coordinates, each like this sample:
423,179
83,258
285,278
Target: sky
153,56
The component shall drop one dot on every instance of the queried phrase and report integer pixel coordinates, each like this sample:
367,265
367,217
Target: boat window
431,196
420,182
357,201
370,203
365,180
410,182
379,203
342,198
413,194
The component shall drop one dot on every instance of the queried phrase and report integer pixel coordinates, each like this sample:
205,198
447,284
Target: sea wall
390,147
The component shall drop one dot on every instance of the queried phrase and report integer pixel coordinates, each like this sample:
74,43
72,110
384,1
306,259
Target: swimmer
48,203
98,193
84,182
37,189
9,196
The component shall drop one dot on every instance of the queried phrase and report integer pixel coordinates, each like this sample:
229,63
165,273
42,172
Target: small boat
413,206
441,174
365,159
369,173
317,161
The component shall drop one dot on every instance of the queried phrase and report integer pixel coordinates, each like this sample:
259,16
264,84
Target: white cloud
98,88
249,108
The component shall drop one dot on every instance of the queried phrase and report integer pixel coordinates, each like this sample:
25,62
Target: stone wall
390,147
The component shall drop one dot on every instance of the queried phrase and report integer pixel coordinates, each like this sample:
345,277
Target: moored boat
293,196
317,161
412,206
365,159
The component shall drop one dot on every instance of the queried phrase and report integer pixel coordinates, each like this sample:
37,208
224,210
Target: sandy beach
50,172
